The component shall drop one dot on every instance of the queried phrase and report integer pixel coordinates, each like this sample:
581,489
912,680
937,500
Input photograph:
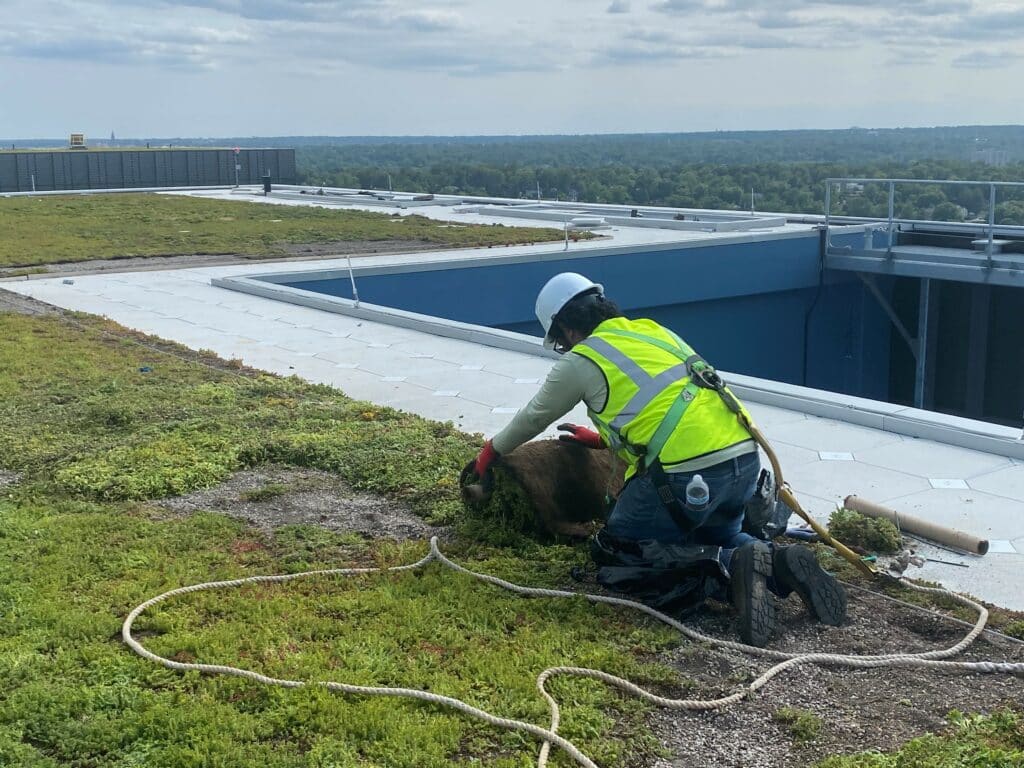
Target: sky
211,68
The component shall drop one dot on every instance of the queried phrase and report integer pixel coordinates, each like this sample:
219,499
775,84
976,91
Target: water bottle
697,495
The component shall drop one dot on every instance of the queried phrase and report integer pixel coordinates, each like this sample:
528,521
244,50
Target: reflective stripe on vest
648,387
641,416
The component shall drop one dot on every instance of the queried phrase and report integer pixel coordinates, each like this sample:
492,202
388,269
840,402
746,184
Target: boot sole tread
821,593
757,622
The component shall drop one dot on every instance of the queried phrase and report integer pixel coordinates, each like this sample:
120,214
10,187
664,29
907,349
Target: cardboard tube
918,527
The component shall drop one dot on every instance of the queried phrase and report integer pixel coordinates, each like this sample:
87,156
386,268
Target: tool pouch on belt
672,578
765,515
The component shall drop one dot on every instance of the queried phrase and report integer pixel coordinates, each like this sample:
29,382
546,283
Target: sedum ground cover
94,438
51,229
97,426
973,742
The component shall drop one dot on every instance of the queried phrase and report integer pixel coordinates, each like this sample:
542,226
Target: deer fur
566,484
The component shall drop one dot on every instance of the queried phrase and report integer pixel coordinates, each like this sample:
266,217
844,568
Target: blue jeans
639,514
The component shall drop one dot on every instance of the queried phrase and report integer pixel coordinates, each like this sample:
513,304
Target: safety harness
702,376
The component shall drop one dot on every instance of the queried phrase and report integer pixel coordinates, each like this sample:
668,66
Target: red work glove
585,437
484,459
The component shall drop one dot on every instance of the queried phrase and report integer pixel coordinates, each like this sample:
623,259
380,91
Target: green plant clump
974,741
873,534
803,725
264,493
1015,629
507,518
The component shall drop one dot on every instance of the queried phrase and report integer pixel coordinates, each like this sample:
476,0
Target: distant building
47,170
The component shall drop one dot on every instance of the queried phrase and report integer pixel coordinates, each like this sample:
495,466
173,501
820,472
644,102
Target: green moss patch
51,229
507,518
94,439
869,533
803,726
995,741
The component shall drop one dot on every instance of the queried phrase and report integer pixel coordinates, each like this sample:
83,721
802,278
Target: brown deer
566,484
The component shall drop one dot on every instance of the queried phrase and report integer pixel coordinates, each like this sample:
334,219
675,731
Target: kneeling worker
645,394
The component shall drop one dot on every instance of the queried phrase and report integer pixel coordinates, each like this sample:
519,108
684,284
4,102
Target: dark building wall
978,365
120,169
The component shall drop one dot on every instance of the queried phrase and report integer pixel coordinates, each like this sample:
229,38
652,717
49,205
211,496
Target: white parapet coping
437,326
888,417
897,419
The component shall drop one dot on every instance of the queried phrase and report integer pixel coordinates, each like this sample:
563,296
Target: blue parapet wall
501,294
761,306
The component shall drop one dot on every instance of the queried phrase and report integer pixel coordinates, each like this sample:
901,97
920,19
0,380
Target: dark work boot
796,568
749,572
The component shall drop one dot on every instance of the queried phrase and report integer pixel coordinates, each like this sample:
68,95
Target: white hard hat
556,293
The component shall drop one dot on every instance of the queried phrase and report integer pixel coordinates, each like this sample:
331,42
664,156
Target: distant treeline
785,170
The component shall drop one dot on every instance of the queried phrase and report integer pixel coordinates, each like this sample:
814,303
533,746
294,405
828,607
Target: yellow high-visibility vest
647,368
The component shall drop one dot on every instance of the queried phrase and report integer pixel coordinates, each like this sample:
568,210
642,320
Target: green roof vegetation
995,741
65,228
96,438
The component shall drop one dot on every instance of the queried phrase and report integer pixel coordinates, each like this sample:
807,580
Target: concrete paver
830,436
1008,481
767,416
1000,573
937,461
790,456
837,480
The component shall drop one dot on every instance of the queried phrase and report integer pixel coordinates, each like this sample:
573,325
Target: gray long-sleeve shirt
571,379
574,378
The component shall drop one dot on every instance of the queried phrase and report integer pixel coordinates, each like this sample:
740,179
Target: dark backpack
671,578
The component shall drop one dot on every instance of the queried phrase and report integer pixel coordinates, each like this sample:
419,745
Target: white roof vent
583,222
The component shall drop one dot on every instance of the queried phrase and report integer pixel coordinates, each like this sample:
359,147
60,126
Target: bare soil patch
15,302
270,497
859,709
7,479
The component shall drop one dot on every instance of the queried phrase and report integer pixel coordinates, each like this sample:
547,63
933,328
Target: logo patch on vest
687,395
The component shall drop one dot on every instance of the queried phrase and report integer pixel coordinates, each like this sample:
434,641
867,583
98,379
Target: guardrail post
991,222
926,323
828,210
892,212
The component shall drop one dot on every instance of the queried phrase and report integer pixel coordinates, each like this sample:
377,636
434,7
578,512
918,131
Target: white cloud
491,66
910,57
985,59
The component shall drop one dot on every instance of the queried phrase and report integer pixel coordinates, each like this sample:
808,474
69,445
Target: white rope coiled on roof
549,736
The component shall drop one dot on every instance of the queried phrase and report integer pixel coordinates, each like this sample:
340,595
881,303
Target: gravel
8,479
306,497
859,710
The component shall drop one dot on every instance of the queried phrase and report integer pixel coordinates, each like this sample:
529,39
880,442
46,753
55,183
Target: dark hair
585,312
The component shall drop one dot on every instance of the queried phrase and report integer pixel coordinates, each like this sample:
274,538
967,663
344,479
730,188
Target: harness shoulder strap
669,422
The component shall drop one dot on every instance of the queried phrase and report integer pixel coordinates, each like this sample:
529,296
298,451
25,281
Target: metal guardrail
893,221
